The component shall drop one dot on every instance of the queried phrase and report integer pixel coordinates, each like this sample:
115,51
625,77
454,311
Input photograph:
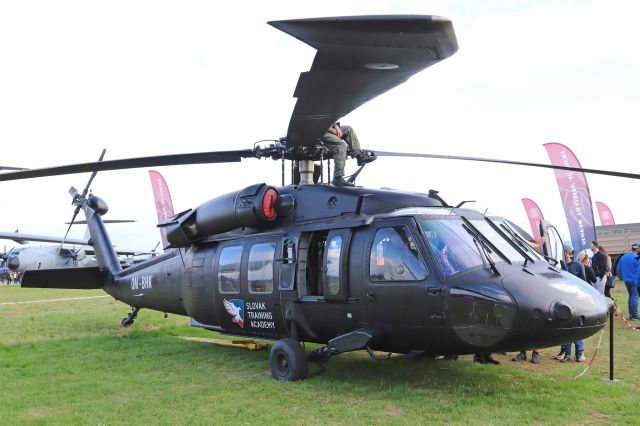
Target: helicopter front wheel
129,319
288,361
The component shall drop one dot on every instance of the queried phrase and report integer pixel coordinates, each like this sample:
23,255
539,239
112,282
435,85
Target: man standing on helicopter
340,140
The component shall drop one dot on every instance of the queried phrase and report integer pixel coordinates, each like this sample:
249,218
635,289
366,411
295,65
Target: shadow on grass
355,370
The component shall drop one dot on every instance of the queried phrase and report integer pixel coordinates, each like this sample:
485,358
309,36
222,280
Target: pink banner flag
164,205
576,199
535,216
606,218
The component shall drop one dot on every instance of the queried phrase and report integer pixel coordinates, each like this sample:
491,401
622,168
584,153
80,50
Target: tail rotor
77,197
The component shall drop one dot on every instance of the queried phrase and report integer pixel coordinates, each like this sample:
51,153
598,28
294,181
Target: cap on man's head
568,249
635,246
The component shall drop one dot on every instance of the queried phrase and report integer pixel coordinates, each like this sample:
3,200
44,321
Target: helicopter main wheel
288,361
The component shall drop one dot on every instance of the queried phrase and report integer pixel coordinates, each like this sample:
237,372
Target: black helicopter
350,268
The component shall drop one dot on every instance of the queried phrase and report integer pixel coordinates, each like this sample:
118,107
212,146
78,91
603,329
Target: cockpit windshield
524,243
458,246
498,240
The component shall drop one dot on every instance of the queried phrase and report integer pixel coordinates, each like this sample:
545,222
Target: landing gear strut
358,339
126,322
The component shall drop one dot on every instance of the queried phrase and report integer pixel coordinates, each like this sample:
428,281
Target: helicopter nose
555,307
481,315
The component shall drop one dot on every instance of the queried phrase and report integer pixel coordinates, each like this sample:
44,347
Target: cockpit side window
394,256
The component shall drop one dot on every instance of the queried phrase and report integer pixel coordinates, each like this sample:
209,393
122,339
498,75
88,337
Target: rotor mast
306,172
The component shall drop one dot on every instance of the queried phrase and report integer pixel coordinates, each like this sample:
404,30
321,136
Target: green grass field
70,362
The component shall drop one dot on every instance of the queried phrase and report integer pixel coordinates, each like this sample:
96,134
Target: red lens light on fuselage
269,203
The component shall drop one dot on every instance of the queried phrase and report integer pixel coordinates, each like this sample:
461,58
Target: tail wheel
288,360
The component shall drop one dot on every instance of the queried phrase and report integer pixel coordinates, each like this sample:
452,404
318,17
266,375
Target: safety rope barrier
620,314
617,313
593,357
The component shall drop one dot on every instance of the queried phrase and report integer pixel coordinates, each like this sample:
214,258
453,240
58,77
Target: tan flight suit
339,146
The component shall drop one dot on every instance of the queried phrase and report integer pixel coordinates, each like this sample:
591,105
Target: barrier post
611,379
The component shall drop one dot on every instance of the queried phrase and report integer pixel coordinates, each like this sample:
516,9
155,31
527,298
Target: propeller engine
72,255
10,259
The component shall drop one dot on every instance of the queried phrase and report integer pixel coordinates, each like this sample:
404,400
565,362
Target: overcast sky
156,77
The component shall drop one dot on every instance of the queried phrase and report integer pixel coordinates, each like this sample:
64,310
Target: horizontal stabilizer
25,238
84,222
72,278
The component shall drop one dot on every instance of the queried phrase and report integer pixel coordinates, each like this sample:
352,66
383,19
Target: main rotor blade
517,163
357,59
12,168
133,163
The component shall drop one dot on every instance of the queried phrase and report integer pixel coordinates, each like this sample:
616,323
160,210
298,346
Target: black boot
491,360
485,359
365,157
522,356
479,358
340,181
535,357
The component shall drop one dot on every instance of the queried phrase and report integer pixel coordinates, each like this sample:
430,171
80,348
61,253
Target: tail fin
164,205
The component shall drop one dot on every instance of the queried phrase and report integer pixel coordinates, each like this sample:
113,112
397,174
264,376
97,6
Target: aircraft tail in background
164,205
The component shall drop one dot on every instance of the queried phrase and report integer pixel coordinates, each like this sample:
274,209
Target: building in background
617,239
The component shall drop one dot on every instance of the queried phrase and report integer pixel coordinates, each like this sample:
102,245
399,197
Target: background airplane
75,252
20,259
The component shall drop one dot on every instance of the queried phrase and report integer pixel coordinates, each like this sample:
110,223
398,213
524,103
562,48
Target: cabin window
395,257
260,270
229,270
334,248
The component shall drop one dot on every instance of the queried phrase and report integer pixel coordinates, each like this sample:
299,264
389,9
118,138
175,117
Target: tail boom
84,278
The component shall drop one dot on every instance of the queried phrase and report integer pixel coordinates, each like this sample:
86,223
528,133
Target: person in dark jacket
609,278
599,265
627,269
577,269
588,271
